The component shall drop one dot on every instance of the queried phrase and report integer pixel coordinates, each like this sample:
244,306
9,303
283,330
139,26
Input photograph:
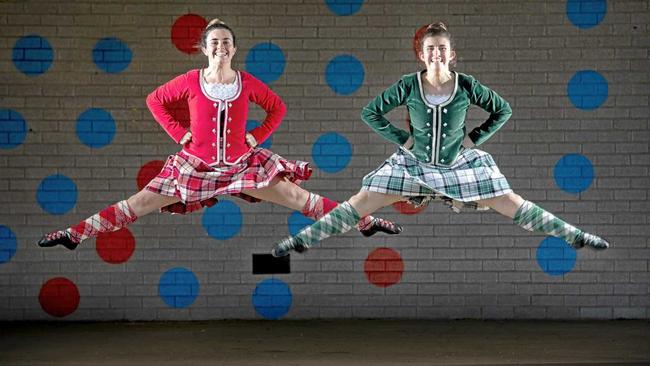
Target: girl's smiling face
437,53
220,47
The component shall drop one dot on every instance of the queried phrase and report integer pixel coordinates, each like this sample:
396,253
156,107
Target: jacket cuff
409,143
178,134
475,136
258,135
403,137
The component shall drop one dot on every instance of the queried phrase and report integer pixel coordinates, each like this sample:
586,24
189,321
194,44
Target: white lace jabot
219,90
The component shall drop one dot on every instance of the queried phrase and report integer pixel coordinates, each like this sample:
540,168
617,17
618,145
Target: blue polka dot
13,129
297,221
587,89
223,220
112,55
331,152
95,128
265,61
344,74
586,14
272,299
555,256
7,244
344,7
178,287
251,124
57,194
573,173
32,55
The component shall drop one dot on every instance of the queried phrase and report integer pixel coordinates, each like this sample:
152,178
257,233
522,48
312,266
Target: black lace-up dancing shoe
592,241
284,247
379,224
60,237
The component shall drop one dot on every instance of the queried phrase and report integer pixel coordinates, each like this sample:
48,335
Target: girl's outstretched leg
285,193
338,221
317,206
534,218
110,219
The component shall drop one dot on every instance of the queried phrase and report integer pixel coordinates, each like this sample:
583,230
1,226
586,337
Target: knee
296,195
507,200
514,199
361,196
140,201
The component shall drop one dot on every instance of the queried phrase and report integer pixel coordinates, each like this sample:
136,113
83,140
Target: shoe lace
591,239
56,235
384,224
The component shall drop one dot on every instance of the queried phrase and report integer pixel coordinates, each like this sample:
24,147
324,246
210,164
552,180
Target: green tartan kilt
473,176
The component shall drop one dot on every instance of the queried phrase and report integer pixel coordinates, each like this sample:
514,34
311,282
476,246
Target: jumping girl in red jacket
218,156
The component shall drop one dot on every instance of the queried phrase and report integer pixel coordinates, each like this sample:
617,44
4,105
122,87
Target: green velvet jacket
437,131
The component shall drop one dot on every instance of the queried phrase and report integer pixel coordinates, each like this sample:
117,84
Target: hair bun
438,26
215,21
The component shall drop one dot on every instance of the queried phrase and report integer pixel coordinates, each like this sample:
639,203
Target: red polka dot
59,297
417,41
383,267
186,32
149,172
408,209
115,247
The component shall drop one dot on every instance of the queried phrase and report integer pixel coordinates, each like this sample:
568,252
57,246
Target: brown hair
438,29
215,23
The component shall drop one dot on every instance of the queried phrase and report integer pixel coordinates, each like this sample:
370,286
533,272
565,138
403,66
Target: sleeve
275,109
373,113
492,103
158,101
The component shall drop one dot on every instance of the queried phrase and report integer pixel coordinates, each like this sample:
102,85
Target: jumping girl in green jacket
436,158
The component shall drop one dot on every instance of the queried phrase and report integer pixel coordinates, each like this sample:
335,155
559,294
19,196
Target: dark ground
340,342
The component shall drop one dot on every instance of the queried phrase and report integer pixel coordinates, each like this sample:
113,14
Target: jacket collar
424,99
239,87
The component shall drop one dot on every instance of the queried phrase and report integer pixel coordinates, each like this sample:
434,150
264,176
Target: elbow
507,110
152,100
281,109
367,115
276,109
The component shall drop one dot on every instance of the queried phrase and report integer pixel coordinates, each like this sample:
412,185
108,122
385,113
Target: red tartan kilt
198,184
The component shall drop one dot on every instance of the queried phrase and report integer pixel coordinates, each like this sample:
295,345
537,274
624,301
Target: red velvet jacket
205,117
